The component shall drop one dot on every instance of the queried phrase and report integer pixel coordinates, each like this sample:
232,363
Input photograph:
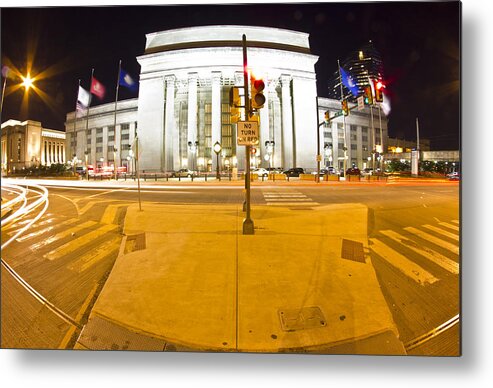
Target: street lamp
217,150
86,153
114,160
74,162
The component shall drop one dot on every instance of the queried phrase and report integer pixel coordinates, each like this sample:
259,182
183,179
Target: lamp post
86,153
114,160
217,150
74,162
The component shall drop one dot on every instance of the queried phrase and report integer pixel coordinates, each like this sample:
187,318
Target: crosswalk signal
368,95
345,107
234,103
257,88
379,91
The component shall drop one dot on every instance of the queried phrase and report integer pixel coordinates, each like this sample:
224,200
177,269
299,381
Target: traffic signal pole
248,227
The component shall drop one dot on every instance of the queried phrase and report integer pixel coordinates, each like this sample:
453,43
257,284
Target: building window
364,130
99,140
99,150
364,138
340,126
125,136
125,126
111,138
353,137
354,147
99,131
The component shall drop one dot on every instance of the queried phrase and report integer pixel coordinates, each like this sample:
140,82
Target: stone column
169,126
215,115
92,157
240,150
118,145
105,146
287,122
192,120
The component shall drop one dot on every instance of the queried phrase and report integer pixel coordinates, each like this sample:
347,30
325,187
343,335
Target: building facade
27,144
185,79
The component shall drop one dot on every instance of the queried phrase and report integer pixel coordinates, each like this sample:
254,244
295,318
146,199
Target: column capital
193,76
216,77
170,80
285,80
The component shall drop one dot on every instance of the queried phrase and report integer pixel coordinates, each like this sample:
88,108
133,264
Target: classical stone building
27,143
185,78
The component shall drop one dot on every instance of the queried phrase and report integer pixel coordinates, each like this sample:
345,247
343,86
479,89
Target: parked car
183,173
353,171
367,171
260,172
275,170
453,176
294,172
327,171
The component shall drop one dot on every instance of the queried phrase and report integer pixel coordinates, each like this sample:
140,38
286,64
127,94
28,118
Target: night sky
419,43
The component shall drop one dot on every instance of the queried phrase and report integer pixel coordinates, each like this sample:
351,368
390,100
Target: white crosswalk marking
453,236
290,198
63,234
75,244
403,264
34,234
94,256
450,226
437,258
455,221
454,248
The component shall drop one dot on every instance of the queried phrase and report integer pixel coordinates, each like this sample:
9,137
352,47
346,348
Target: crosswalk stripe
284,195
450,226
444,262
435,240
34,234
36,225
406,266
63,234
109,214
94,256
455,221
78,242
290,199
87,207
453,236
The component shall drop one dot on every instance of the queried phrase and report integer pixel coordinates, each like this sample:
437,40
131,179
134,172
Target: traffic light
345,107
379,91
327,116
234,103
257,88
368,95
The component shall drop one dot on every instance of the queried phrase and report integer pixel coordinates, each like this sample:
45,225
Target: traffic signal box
327,116
379,91
345,107
257,87
368,95
234,103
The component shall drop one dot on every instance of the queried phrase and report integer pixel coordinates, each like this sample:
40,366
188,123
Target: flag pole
115,150
343,121
75,126
3,94
89,104
137,165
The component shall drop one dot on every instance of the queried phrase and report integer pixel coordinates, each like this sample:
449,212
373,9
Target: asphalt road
413,232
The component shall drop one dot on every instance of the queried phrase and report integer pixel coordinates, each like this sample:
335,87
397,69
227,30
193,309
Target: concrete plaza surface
188,279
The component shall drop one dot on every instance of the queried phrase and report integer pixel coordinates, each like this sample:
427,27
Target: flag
127,81
7,73
348,82
83,99
97,88
386,104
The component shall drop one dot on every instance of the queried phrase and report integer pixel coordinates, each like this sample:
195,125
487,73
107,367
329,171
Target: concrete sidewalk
187,279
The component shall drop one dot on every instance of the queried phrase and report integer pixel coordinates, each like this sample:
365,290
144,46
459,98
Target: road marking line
77,243
63,234
94,256
430,254
86,207
109,214
435,240
450,226
406,266
289,199
291,203
455,221
34,234
80,314
453,236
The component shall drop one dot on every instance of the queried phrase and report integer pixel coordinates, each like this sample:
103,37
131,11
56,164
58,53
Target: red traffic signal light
258,98
379,91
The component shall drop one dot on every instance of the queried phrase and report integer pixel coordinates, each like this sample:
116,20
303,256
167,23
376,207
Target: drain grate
136,242
300,319
353,250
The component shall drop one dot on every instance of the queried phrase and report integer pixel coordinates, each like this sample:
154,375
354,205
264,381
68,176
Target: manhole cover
353,250
300,319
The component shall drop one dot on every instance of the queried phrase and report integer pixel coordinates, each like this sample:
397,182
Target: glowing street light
27,82
217,149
